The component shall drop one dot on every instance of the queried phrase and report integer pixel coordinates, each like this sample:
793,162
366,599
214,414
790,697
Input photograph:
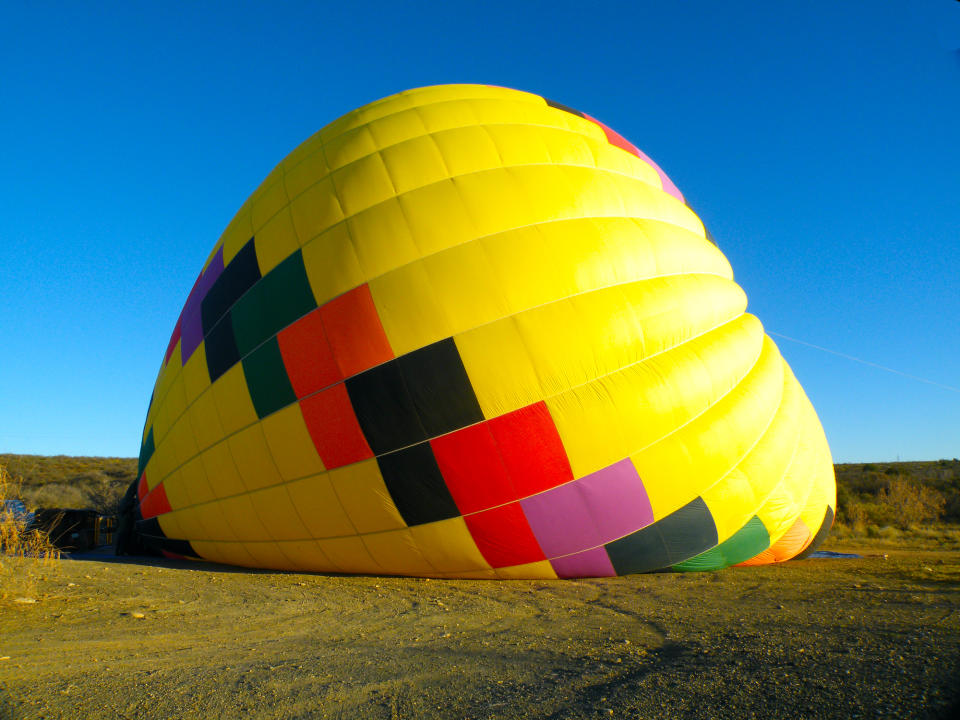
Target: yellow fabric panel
379,251
304,167
412,314
170,524
397,552
348,147
275,241
423,100
232,398
414,163
466,148
219,465
160,466
182,441
365,498
269,555
485,574
541,570
168,373
739,496
363,184
618,415
195,482
237,234
306,555
315,211
349,555
290,444
323,515
684,464
175,403
436,217
448,546
205,420
277,512
229,553
395,129
499,367
196,377
309,148
333,249
242,517
465,283
267,201
176,491
213,519
191,525
252,456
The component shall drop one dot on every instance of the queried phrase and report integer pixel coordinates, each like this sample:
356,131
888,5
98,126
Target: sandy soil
870,637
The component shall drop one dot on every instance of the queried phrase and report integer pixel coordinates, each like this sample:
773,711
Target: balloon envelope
465,331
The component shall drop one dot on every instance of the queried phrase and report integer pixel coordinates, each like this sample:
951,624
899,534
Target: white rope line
867,362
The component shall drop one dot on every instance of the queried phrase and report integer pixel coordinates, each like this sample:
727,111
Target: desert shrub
907,503
18,544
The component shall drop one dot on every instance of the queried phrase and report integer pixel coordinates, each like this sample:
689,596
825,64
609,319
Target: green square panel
278,299
267,379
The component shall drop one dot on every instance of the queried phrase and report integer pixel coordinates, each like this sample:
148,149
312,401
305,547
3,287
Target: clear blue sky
818,141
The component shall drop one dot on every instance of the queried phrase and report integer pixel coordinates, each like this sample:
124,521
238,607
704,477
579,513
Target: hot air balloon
466,331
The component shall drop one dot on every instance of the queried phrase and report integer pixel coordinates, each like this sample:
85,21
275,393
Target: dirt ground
854,638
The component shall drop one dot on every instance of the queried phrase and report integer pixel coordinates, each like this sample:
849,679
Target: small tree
910,503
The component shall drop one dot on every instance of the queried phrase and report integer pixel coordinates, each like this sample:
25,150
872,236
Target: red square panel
307,355
531,449
142,487
472,468
334,428
155,503
504,537
355,333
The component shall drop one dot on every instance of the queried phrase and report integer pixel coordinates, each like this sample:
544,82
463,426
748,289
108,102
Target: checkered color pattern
465,331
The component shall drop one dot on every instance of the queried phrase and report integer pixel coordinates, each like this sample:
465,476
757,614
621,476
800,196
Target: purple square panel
616,500
192,329
589,512
590,563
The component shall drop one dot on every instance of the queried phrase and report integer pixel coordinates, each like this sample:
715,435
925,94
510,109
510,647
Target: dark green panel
281,297
146,452
681,535
749,541
267,379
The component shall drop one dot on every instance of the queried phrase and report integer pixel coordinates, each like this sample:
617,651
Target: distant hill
98,482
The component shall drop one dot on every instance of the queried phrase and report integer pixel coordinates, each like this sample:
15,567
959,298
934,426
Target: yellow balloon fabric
465,331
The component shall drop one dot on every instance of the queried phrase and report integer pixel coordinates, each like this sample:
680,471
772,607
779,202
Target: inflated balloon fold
465,331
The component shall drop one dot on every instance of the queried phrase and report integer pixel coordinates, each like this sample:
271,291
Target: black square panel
416,485
236,278
439,387
221,348
384,408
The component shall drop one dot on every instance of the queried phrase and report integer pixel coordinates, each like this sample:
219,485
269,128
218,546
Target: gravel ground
861,638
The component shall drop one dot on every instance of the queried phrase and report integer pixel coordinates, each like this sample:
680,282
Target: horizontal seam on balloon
543,400
430,134
664,437
318,136
161,399
530,309
158,401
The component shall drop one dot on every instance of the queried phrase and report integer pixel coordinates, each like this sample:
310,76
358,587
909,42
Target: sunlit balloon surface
465,331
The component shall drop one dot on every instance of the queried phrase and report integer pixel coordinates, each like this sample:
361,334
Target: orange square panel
355,332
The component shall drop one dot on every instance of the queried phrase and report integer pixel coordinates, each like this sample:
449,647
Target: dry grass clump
23,551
